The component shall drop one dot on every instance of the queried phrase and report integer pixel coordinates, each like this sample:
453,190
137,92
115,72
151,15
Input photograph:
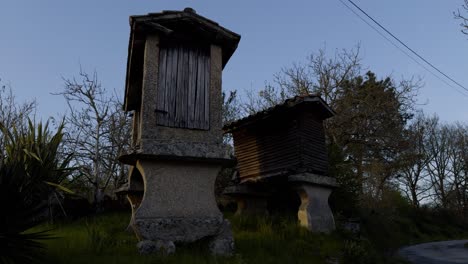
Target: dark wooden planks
293,142
161,107
192,87
184,86
181,88
206,87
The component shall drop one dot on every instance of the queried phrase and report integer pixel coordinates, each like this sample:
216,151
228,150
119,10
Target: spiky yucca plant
31,168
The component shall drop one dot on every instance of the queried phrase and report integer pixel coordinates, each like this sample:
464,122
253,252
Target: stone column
314,211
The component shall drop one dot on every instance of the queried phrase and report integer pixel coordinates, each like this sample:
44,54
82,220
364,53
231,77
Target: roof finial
190,10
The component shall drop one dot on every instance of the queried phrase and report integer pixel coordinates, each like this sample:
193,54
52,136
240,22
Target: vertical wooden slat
168,89
161,92
179,88
170,99
182,81
192,86
200,93
167,85
206,118
185,62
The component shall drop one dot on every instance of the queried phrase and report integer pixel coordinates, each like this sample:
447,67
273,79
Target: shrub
30,171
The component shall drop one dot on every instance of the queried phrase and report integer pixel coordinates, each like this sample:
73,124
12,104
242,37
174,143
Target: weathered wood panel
206,110
314,151
292,142
184,83
267,148
161,111
192,87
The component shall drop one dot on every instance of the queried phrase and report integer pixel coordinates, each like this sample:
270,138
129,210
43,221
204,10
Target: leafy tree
368,126
365,137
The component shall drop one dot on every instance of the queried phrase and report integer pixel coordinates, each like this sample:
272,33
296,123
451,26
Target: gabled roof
188,24
315,101
185,26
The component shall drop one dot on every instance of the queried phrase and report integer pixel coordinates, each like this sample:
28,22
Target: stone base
177,206
146,247
178,229
221,243
314,213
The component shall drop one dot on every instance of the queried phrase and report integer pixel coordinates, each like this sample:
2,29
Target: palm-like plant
31,168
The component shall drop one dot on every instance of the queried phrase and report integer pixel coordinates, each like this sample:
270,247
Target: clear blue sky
41,41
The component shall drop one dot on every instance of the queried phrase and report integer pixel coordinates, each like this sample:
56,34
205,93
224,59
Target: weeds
258,240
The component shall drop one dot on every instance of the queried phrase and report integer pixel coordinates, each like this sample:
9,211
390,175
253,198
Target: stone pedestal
180,205
314,213
314,191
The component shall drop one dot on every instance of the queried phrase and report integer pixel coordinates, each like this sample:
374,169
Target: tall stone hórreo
173,88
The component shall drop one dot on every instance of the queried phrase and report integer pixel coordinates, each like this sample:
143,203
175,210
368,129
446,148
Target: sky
42,42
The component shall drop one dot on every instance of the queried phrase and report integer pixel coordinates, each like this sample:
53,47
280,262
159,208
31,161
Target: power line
406,46
404,52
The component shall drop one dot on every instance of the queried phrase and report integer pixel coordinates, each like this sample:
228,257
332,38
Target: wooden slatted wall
314,151
292,143
184,87
267,149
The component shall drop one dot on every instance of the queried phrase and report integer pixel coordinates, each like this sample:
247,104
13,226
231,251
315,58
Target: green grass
258,240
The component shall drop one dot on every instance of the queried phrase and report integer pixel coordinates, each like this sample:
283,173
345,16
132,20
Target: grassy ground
258,240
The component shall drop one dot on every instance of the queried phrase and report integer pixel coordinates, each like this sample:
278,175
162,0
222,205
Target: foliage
230,112
365,137
31,166
343,201
370,119
258,240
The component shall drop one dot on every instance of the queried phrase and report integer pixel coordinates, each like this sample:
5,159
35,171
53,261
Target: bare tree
12,113
320,75
97,133
458,167
414,179
438,146
463,18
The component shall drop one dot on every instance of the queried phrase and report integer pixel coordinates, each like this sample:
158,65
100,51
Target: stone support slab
178,203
